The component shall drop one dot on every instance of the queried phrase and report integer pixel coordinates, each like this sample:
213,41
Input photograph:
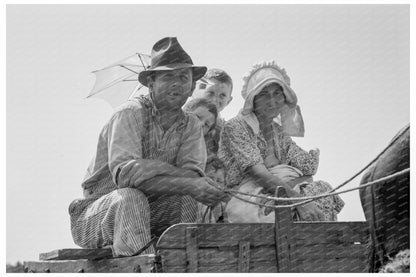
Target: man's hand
208,192
310,212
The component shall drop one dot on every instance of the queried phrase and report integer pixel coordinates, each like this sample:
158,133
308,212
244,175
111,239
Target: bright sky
348,64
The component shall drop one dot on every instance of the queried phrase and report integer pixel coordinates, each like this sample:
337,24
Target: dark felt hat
168,54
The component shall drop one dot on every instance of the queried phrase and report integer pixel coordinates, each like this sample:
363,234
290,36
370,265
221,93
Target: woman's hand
271,161
310,212
295,183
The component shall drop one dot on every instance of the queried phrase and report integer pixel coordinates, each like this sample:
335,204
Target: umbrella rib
128,68
140,57
122,79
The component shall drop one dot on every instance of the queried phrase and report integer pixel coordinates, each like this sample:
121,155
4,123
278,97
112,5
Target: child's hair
202,102
219,75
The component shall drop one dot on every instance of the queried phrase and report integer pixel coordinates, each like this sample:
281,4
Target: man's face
172,88
217,93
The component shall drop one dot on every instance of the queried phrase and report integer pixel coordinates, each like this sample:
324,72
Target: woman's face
206,118
269,101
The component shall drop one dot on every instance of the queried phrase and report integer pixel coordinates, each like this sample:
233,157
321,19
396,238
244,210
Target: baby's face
206,118
218,176
217,93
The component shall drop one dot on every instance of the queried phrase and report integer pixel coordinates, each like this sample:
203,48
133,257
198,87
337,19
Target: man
148,170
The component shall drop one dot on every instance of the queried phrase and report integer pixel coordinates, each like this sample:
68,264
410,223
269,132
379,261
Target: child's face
217,93
218,176
206,118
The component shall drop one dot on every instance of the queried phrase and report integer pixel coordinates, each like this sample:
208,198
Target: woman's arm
267,180
307,162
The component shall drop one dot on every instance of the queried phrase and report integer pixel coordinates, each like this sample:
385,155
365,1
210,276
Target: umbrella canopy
118,82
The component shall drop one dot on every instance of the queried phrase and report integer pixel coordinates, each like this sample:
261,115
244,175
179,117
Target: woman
259,155
207,114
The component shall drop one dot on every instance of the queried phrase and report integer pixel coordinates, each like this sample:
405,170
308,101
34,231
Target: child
207,114
216,87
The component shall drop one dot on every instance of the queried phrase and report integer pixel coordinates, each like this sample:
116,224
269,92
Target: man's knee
131,196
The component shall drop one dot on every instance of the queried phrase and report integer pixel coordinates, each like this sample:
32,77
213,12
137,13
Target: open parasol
118,82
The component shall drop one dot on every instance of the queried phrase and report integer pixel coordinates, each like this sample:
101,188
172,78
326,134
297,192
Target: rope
374,160
367,166
312,198
386,178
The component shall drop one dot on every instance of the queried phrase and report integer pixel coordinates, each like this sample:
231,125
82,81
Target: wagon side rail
286,246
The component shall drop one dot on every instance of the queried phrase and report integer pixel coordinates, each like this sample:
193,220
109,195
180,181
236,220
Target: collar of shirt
148,102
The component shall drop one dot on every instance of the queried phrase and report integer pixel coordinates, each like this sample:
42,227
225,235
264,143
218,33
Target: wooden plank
76,254
219,235
338,265
192,249
218,246
283,231
215,256
263,267
222,235
329,247
262,259
328,251
142,263
328,232
244,256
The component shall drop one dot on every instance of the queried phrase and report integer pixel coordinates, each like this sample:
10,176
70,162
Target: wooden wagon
285,246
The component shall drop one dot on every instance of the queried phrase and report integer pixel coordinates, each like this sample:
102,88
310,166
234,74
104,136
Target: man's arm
125,152
185,177
138,170
202,189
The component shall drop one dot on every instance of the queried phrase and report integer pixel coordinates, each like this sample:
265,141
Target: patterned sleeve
237,144
339,203
307,162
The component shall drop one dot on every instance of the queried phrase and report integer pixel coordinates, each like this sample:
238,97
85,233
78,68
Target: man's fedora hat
168,54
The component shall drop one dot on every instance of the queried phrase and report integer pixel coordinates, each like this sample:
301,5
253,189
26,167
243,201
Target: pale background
349,65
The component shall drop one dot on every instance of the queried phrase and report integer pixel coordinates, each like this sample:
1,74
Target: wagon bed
284,246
